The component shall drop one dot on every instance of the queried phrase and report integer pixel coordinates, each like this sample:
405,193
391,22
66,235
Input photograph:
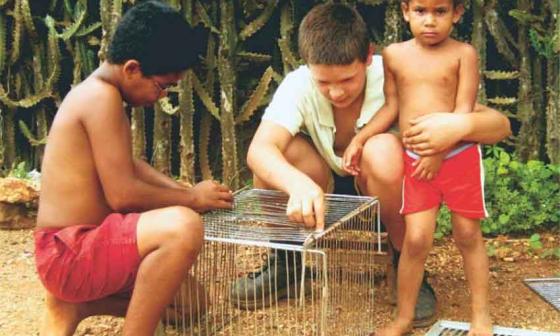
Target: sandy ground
512,303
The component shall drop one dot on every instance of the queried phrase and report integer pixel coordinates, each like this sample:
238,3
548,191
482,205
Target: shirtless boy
433,72
115,236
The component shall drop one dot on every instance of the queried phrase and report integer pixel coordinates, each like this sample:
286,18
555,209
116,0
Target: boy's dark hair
158,37
455,2
333,34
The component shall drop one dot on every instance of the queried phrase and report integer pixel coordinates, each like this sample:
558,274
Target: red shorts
459,184
87,262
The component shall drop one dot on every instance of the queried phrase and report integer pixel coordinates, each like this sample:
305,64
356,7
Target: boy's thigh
165,225
381,160
303,155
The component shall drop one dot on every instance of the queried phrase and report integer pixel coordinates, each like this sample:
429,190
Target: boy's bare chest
345,130
436,72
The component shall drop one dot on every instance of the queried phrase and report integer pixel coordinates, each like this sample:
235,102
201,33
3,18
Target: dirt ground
512,303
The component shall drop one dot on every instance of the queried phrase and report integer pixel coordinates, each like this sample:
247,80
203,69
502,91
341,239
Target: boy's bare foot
481,325
397,327
60,318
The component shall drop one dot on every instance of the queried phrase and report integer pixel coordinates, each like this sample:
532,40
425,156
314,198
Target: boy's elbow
119,199
251,157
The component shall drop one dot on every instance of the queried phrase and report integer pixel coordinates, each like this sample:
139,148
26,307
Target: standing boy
433,72
314,115
109,224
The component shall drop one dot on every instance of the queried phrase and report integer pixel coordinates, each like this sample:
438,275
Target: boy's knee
382,159
466,237
183,227
418,246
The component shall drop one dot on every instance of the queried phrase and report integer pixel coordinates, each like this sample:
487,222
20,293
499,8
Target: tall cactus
138,130
161,152
393,25
553,85
527,144
227,76
478,40
186,108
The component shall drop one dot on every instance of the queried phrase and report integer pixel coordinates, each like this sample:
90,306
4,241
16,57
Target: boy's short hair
455,2
333,34
158,37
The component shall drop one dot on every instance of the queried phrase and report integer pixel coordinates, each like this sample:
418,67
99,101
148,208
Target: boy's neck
353,109
441,44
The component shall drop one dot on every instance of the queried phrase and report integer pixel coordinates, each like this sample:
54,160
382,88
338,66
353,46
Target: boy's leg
381,175
169,241
420,227
468,237
62,318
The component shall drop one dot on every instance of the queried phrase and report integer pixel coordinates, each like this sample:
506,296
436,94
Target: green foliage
520,197
19,170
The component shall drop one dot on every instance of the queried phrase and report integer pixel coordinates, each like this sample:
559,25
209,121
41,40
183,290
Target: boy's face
144,90
431,21
341,84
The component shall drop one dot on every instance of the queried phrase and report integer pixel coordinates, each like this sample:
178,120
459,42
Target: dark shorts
345,185
83,263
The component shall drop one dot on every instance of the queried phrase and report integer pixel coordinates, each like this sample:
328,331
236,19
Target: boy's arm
153,176
380,122
108,131
266,160
387,114
467,84
436,132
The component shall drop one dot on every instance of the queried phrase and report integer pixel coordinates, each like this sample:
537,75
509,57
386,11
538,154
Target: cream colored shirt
298,106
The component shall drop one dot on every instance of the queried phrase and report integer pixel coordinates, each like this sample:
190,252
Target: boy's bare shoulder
93,94
395,49
393,52
462,48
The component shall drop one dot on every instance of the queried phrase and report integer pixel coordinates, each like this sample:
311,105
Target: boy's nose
335,93
429,20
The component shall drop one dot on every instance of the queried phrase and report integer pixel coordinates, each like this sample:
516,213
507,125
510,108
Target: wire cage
260,274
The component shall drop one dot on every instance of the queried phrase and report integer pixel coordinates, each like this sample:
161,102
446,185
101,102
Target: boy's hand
351,157
306,205
210,195
427,167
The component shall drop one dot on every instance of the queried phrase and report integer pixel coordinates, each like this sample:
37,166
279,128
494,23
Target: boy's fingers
319,207
307,213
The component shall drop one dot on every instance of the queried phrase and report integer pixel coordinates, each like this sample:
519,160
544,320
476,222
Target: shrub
520,197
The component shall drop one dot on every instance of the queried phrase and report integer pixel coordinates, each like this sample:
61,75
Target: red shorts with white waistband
459,184
83,263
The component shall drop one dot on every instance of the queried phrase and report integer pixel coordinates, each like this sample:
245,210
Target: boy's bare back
426,79
71,188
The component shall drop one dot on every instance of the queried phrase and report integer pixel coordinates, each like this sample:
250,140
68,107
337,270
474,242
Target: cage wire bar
329,277
547,288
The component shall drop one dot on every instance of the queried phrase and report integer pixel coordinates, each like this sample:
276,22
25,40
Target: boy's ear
404,9
131,68
458,12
